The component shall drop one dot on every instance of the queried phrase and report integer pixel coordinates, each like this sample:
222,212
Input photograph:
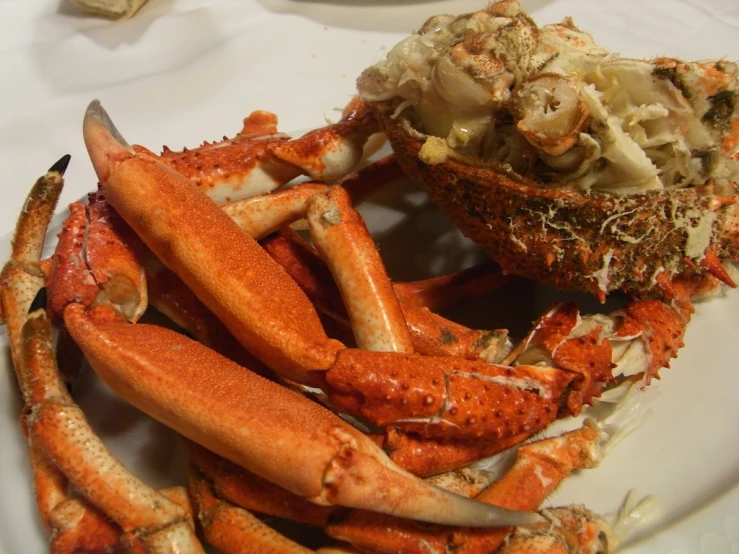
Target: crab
165,242
569,165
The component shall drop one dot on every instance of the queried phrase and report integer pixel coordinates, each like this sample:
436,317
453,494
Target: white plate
228,64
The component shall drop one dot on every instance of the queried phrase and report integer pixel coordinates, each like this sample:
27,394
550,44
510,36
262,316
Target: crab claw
105,144
265,428
226,269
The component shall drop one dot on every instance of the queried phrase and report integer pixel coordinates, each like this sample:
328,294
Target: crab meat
657,124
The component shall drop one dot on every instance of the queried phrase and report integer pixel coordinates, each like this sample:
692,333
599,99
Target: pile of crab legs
434,394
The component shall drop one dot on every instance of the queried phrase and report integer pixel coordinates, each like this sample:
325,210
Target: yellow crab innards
557,108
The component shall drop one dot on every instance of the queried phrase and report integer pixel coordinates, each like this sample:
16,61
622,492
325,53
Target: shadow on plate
77,52
395,16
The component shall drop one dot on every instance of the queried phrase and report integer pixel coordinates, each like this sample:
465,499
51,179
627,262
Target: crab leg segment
261,215
232,529
234,484
236,168
342,239
22,277
296,443
332,152
58,425
431,334
444,397
259,159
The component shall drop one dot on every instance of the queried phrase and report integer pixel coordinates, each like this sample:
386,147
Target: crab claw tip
95,113
104,142
39,301
61,165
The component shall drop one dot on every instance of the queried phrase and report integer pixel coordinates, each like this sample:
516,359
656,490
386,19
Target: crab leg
232,529
234,484
259,216
538,469
169,295
432,334
259,159
58,433
342,239
97,260
22,276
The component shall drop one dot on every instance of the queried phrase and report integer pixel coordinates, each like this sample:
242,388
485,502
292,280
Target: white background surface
181,72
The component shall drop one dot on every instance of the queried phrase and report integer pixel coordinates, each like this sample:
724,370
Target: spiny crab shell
569,165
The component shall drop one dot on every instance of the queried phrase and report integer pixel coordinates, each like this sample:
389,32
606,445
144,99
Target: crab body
569,165
597,243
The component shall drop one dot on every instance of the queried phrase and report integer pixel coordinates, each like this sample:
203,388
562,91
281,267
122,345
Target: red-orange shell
558,235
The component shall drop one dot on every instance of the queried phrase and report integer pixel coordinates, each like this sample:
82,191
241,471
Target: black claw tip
39,303
61,165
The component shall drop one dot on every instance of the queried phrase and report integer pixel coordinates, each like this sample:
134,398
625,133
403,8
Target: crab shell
594,242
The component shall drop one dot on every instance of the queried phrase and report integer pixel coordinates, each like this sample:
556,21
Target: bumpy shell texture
570,165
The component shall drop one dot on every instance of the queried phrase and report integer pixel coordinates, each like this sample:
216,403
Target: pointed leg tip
61,165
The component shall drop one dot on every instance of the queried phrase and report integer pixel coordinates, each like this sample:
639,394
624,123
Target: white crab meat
556,107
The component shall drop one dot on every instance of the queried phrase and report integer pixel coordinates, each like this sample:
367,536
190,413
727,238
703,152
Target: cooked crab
570,165
436,400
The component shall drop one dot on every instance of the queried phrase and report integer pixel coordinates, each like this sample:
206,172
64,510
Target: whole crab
569,165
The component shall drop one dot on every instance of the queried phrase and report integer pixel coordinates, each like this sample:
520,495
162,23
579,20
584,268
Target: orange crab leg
232,529
538,469
259,216
259,159
332,152
62,447
432,334
439,293
56,424
235,168
236,485
169,295
341,236
22,276
77,526
296,443
427,457
342,239
446,398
